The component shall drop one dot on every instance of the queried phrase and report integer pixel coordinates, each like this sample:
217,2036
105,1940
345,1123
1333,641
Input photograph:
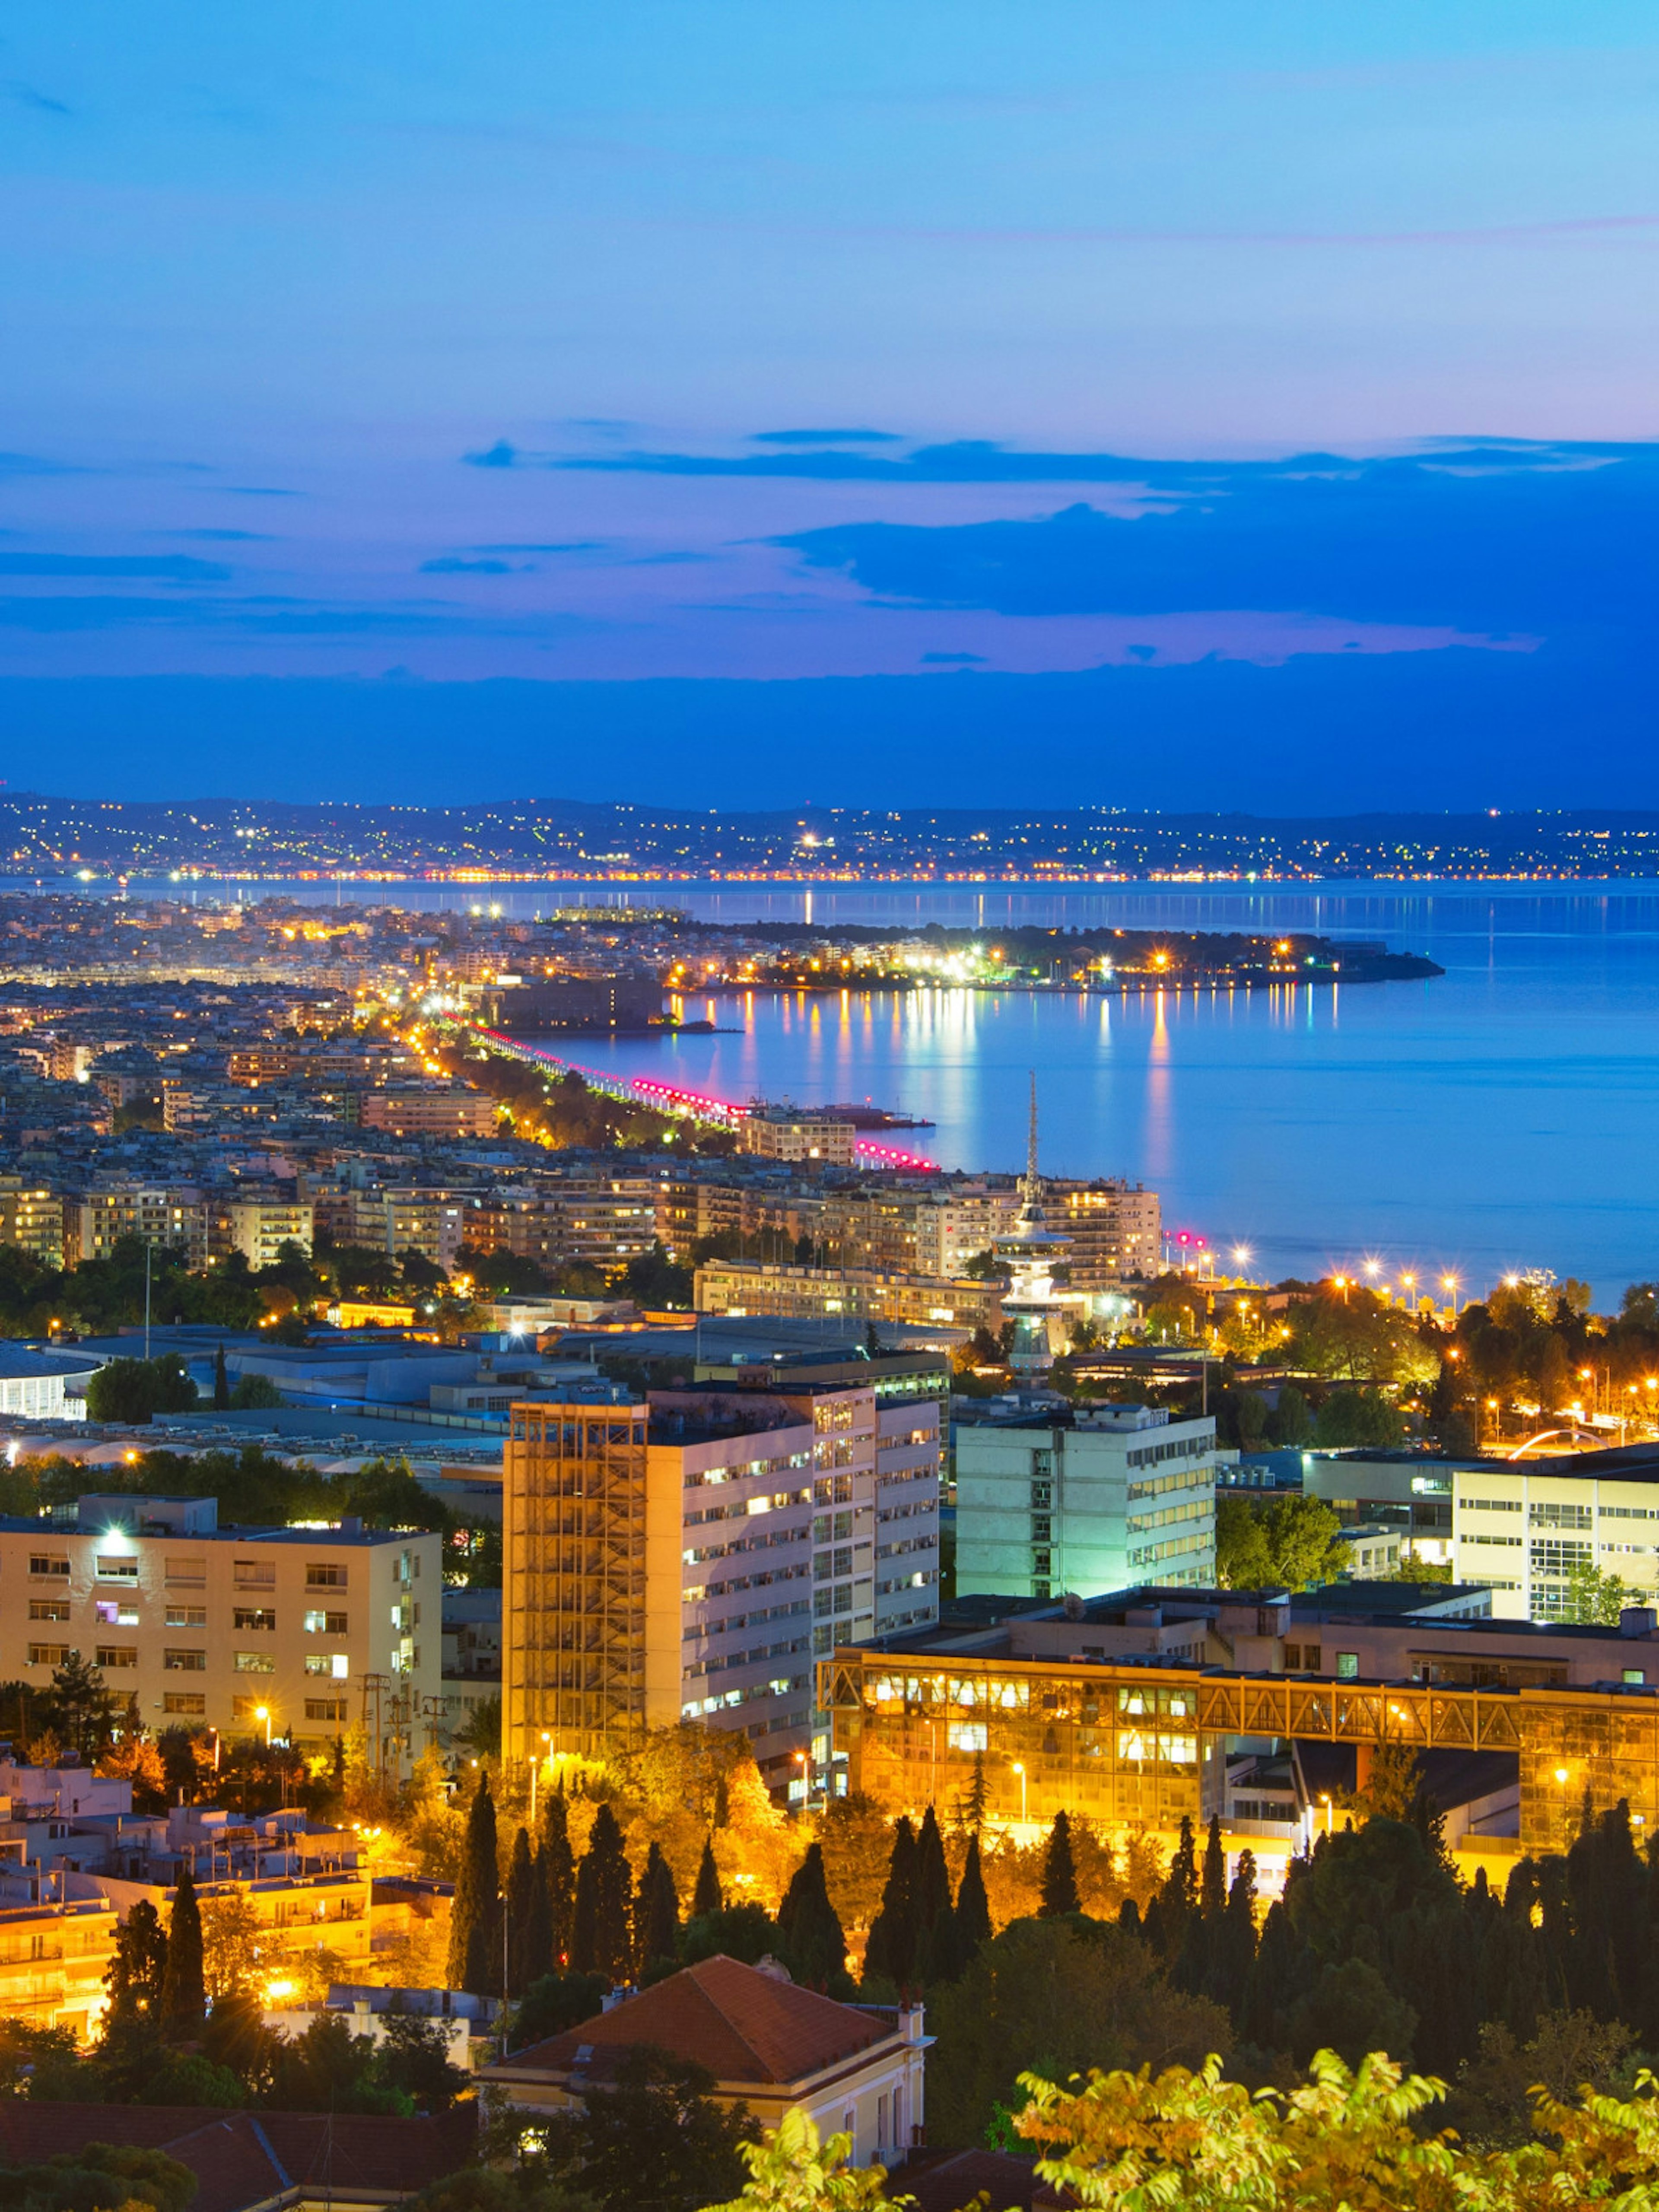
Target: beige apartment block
302,1631
741,1287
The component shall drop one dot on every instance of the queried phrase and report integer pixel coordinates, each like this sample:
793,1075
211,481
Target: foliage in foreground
1183,2140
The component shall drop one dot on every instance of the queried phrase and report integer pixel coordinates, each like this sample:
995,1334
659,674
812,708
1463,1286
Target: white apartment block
1122,1495
309,1630
1520,1530
258,1228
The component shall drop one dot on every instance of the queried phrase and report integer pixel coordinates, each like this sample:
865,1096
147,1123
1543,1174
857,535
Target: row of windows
1183,1479
253,1619
320,1574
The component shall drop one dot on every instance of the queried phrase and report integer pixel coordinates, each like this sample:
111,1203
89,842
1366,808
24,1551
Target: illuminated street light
1020,1771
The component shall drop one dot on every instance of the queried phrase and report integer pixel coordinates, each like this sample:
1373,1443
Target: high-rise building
687,1557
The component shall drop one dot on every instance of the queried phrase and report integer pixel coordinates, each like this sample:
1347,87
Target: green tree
1059,1894
221,1381
184,1988
137,1967
413,2060
972,1906
891,1952
558,1864
707,1896
655,2142
1062,1995
656,1912
857,1843
1292,1542
135,1390
792,2170
746,1931
475,1926
1596,1595
79,1709
812,1944
555,2003
1358,1416
526,1909
602,1935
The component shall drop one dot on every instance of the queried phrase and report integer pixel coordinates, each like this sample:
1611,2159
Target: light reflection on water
1501,1116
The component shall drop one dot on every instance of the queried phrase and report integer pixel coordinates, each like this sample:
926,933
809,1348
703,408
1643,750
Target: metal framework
573,1527
1124,1743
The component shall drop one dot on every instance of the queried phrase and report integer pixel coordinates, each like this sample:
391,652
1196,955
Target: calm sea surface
1501,1116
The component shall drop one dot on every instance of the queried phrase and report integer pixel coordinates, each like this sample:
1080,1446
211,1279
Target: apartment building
686,1558
1115,1231
427,1110
32,1218
53,1958
1112,1496
299,1630
258,1228
95,1219
792,1133
1522,1529
606,1218
747,1287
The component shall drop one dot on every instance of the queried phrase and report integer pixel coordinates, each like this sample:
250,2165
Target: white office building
1114,1496
1522,1529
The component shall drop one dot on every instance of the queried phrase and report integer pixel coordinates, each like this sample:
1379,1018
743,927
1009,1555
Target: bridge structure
1147,1744
699,1106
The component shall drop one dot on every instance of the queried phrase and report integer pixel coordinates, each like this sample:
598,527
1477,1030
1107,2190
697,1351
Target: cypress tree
1059,1894
558,1875
184,1991
890,1950
939,1956
523,1882
656,1913
1176,1900
707,1896
137,1970
221,1383
475,1926
810,1936
1212,1879
537,1940
603,1938
972,1906
1198,1961
1232,1951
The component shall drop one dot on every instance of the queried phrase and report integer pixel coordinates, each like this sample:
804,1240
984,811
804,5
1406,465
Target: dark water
1501,1116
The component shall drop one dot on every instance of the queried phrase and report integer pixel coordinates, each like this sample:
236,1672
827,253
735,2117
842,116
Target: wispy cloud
826,438
27,95
172,567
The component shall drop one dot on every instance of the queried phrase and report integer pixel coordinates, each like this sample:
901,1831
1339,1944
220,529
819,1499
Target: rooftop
744,2025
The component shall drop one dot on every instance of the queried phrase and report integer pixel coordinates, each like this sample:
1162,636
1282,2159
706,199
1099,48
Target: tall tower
1030,1251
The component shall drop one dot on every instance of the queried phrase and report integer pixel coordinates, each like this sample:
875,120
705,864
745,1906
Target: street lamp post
1020,1771
263,1713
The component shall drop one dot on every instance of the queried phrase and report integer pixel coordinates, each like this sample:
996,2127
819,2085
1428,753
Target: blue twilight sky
1230,404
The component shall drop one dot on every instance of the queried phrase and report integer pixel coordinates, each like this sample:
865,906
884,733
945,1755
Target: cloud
501,455
1449,539
953,660
826,438
261,491
270,615
451,564
566,545
172,567
30,465
222,537
26,96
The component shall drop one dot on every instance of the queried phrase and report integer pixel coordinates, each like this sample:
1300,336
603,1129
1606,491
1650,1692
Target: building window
184,1701
49,1609
48,1655
115,1612
186,1616
118,1654
185,1572
321,1575
253,1574
247,1709
326,1624
258,1617
1347,1666
184,1663
325,1709
253,1662
116,1571
48,1563
336,1663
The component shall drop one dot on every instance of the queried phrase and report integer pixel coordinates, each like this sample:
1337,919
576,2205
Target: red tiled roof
743,2024
242,2158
